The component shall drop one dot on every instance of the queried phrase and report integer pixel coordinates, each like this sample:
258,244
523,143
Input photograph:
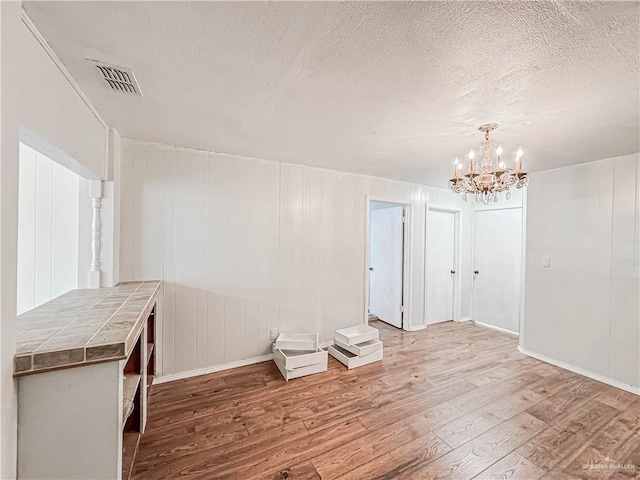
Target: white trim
47,48
415,328
465,319
523,264
407,268
498,329
580,371
457,253
216,368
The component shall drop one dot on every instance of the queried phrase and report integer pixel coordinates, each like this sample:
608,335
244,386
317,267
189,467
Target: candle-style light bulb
456,162
519,154
472,155
499,161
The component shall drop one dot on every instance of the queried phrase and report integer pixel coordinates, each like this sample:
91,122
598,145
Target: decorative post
95,190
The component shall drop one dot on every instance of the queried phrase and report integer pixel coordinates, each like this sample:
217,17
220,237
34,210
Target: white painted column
95,190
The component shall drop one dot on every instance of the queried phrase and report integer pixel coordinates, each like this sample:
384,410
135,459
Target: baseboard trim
497,329
581,371
216,368
464,319
415,328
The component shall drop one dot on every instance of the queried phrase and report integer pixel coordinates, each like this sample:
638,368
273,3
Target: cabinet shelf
149,351
129,389
130,443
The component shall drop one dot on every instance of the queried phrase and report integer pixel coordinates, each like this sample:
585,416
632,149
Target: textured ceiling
387,89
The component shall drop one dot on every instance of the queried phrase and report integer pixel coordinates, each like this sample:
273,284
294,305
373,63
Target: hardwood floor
454,401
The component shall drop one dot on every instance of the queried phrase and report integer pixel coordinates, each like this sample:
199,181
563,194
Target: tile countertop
83,326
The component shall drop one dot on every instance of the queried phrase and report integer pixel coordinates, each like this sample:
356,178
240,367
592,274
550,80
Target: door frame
457,258
522,262
406,256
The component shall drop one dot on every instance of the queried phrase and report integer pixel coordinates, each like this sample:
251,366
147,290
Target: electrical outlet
274,333
546,261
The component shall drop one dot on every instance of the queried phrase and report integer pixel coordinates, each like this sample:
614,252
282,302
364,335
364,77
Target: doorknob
453,271
371,269
476,272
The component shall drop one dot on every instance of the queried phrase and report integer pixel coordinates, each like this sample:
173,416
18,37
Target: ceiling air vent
119,79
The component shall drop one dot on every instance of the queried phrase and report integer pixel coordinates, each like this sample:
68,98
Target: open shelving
138,375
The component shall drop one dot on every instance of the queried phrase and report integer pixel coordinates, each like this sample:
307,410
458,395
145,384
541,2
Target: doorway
497,264
442,265
387,262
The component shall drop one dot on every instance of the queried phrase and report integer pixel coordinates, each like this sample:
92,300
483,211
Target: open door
386,239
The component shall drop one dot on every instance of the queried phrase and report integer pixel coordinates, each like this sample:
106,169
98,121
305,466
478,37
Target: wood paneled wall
47,229
584,310
247,245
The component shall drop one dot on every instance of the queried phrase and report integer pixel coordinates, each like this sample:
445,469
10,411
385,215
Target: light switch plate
546,261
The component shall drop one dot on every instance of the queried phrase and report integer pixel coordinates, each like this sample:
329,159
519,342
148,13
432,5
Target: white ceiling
387,89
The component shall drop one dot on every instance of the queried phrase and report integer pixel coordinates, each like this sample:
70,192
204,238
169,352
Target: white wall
583,311
40,107
246,245
9,122
49,197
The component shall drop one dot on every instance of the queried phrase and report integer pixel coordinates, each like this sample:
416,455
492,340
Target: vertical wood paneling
27,205
215,329
588,297
267,253
234,311
140,180
64,253
249,245
187,258
168,274
202,317
625,301
185,335
44,231
236,261
254,211
215,259
201,249
150,246
48,233
126,215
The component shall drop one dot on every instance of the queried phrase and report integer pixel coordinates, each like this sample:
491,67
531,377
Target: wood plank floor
454,401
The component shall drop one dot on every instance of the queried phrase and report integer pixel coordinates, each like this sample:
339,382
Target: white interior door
441,262
497,259
385,265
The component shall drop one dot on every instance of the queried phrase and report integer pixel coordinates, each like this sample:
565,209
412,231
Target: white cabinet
298,363
356,335
352,360
356,346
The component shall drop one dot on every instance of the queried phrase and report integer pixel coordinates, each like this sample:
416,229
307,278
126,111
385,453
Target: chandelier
492,177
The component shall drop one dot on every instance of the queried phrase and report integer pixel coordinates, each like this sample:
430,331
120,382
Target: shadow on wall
202,328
